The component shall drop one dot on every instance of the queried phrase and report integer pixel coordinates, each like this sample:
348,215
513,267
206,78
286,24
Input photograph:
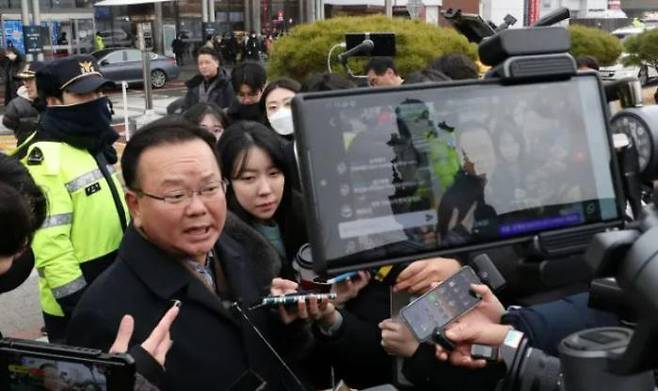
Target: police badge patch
35,157
91,189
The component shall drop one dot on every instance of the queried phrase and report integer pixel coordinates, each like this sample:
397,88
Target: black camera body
368,174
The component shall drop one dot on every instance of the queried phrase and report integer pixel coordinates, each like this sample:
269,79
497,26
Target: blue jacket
547,324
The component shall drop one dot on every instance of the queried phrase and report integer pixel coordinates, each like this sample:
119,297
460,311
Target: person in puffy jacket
211,85
20,114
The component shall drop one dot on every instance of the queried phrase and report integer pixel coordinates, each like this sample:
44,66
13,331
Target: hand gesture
157,344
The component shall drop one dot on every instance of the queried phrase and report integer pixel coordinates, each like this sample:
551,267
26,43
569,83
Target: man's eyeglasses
184,196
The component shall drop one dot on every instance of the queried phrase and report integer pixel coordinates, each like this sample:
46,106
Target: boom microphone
364,47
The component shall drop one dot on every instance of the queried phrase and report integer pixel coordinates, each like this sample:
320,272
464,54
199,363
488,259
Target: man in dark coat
211,85
11,61
172,252
178,47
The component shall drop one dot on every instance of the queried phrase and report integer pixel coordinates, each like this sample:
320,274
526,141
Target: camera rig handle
632,258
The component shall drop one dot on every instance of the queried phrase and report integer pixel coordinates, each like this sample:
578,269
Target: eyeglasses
184,197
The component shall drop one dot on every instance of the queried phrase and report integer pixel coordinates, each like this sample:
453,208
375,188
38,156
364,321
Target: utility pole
255,9
211,11
388,5
158,45
25,19
247,15
36,21
204,12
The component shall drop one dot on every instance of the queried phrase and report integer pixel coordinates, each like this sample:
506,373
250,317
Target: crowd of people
232,48
207,214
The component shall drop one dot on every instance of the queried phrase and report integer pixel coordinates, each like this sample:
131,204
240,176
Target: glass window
133,55
114,57
191,29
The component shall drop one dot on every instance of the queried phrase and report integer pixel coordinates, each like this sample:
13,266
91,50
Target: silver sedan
125,64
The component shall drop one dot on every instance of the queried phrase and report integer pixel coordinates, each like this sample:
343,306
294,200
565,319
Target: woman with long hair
259,195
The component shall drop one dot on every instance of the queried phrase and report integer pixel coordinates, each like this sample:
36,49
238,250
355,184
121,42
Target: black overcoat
212,345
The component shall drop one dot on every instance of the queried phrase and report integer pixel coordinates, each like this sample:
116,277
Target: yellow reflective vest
83,221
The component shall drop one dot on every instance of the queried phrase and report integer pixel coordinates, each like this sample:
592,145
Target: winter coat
20,116
213,345
11,68
221,91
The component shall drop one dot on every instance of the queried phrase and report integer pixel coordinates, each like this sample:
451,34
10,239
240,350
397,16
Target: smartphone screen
441,305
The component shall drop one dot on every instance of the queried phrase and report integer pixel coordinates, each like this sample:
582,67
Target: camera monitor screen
30,365
396,174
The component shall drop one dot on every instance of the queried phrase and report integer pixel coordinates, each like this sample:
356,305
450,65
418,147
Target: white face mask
281,121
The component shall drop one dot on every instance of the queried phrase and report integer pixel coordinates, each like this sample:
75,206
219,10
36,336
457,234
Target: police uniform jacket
83,227
213,346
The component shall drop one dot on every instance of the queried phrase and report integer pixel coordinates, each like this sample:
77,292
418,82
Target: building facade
70,25
640,8
496,10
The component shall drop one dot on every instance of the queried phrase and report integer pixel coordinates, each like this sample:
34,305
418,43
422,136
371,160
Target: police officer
72,160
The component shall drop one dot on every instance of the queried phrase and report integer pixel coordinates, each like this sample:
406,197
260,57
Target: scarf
85,126
250,112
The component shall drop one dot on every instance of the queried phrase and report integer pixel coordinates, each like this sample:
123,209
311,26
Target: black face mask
18,272
85,126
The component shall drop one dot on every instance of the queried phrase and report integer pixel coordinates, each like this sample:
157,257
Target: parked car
644,73
121,64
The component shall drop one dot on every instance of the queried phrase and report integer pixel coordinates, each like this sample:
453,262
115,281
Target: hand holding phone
442,304
348,288
479,326
307,307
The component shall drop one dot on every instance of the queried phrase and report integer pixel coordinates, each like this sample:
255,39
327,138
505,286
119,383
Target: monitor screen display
37,373
396,172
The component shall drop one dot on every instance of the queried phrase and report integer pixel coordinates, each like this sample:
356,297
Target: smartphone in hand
441,305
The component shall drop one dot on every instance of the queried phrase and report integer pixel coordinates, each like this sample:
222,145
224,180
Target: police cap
29,71
75,74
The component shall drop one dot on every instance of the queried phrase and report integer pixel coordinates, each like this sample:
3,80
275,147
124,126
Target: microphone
364,47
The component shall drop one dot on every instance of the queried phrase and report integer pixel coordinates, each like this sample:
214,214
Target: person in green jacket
99,44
